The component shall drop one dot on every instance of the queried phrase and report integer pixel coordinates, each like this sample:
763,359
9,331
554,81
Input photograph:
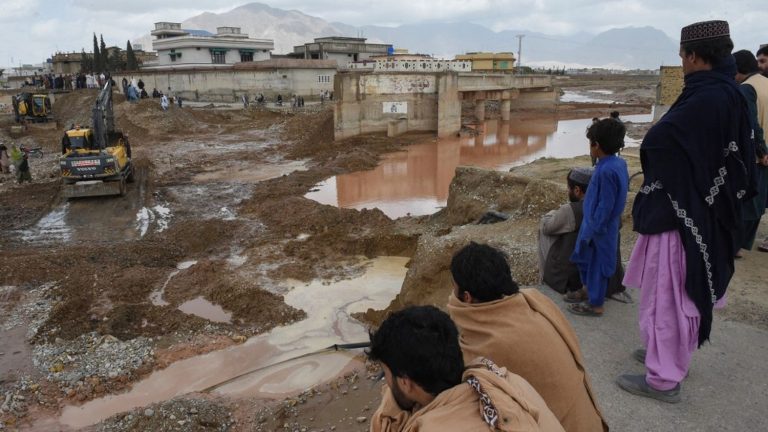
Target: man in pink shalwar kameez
688,211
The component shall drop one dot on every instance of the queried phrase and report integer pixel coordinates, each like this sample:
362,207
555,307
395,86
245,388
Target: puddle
596,96
156,297
328,322
205,309
416,181
52,228
159,215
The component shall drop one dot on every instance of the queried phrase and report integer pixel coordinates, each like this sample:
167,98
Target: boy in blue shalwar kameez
597,243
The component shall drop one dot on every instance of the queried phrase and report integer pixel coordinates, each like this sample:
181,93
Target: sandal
622,297
575,296
584,309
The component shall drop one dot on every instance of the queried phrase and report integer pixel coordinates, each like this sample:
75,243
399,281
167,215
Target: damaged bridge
401,101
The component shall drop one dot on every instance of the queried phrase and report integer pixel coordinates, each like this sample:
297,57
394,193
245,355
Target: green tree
86,62
130,58
103,59
115,61
96,64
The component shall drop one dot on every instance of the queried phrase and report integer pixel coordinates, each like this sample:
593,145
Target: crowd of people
705,181
67,81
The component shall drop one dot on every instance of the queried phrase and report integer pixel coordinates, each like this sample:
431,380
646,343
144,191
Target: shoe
636,385
575,297
584,309
763,247
639,355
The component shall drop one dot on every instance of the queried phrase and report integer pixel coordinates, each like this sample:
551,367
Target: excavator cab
32,107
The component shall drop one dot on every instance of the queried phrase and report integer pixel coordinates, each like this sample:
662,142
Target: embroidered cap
580,175
705,30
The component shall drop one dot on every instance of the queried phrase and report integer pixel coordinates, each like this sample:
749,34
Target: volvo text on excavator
96,161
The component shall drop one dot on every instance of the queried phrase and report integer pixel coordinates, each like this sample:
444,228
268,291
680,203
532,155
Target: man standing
523,331
598,242
429,389
754,87
687,212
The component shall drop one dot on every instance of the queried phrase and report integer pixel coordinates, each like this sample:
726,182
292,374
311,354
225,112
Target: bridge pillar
480,110
505,107
448,104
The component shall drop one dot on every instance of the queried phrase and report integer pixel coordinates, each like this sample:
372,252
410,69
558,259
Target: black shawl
698,164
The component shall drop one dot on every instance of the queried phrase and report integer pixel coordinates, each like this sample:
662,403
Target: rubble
182,414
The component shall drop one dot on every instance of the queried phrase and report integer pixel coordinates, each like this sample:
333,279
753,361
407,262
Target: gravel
174,415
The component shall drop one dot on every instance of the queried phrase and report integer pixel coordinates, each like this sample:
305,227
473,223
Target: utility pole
519,51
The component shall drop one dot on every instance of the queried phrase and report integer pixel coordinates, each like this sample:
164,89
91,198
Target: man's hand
763,160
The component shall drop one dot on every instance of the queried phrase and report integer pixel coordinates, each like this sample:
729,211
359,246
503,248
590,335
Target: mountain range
620,48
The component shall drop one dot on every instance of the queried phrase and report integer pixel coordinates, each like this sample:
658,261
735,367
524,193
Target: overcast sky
32,30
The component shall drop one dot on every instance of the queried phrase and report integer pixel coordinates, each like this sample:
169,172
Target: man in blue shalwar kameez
597,243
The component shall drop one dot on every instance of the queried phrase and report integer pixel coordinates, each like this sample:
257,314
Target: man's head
614,114
606,137
762,59
746,65
418,348
578,181
481,274
704,45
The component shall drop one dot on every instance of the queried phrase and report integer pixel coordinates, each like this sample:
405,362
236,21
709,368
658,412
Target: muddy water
205,309
156,297
328,307
416,181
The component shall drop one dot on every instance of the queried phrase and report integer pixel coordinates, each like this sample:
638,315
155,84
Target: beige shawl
460,408
527,334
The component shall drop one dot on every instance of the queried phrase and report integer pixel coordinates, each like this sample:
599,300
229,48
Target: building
342,49
402,61
489,62
66,63
184,48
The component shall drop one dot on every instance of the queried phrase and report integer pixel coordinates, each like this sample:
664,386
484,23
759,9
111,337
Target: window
218,57
246,57
323,78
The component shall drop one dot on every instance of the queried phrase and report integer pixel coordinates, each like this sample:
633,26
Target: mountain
629,47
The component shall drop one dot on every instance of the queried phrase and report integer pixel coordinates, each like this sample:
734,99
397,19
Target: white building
183,48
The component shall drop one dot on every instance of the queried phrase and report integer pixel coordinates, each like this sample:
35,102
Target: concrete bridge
397,102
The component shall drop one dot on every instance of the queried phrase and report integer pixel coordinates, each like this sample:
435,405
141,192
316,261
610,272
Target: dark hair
762,51
422,344
712,51
614,114
609,134
573,183
746,63
482,271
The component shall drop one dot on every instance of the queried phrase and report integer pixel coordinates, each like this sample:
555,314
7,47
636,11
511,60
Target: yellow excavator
31,107
96,161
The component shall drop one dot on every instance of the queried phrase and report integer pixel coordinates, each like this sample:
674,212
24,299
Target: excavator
31,107
96,161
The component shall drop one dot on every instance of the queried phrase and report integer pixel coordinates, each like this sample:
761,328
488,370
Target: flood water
328,322
416,181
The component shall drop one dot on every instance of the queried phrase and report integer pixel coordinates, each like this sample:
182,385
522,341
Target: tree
96,64
116,62
130,58
104,54
86,62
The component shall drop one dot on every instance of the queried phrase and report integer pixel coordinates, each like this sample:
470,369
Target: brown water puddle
416,181
204,309
328,322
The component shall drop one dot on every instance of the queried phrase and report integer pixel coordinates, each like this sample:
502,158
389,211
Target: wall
229,85
202,57
670,84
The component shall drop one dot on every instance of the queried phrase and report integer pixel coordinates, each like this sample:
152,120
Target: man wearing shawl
429,390
698,163
523,331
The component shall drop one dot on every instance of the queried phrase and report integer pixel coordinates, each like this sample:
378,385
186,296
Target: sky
33,30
